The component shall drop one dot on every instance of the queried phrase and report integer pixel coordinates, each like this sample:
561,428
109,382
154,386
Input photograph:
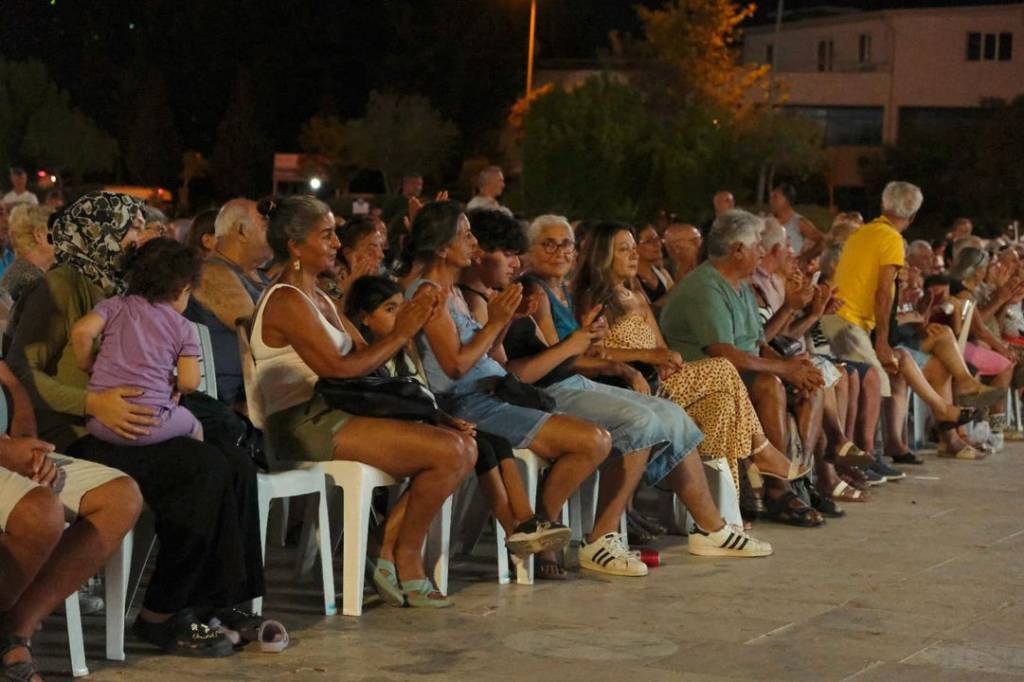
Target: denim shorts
635,421
518,425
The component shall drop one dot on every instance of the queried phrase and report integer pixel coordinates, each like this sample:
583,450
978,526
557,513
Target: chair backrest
253,398
965,324
207,367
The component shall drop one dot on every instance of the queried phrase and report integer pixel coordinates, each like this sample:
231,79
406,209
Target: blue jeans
635,421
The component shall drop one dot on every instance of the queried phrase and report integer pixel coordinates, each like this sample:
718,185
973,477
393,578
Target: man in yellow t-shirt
866,281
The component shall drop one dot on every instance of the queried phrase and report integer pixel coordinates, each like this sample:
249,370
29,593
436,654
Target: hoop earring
298,265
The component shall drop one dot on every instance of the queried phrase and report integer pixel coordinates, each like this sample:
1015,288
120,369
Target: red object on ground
651,557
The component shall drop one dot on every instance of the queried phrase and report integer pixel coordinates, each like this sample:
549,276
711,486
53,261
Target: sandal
844,492
848,453
782,510
422,593
385,581
797,468
985,396
183,634
22,671
966,452
546,569
826,506
967,415
854,476
907,458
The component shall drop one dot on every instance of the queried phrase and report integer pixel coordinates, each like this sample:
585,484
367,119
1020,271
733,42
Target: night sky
467,56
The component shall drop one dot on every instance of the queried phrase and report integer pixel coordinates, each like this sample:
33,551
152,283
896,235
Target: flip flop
273,637
844,492
966,452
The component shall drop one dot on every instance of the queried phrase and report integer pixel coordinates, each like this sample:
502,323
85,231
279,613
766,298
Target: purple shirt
140,347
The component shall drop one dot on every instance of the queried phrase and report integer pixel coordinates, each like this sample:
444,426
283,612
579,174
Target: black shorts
491,450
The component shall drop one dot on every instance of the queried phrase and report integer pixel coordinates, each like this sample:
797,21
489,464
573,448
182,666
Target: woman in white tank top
298,337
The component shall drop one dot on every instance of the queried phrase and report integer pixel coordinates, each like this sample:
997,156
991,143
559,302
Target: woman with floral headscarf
198,493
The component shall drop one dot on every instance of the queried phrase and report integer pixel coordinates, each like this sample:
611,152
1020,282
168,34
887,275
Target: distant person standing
723,201
807,241
489,186
398,206
20,193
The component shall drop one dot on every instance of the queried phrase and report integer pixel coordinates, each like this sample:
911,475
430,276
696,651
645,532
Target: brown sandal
844,492
850,454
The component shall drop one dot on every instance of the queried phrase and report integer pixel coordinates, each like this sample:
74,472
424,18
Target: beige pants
850,342
81,477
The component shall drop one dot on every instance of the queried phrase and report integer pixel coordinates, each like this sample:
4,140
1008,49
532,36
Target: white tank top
796,237
283,379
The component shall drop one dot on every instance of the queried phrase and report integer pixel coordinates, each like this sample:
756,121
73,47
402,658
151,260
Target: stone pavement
925,582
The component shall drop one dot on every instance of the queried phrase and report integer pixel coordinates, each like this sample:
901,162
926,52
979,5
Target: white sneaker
729,540
609,555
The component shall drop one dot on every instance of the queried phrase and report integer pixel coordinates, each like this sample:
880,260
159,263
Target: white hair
774,233
735,226
901,199
919,246
486,174
231,214
540,223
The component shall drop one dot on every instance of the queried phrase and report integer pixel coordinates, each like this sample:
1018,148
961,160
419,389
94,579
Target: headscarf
87,236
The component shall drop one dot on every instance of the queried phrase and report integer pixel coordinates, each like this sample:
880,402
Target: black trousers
204,499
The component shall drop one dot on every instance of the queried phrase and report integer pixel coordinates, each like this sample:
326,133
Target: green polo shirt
704,309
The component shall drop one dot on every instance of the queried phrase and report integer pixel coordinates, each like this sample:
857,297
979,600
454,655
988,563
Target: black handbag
513,391
786,346
376,396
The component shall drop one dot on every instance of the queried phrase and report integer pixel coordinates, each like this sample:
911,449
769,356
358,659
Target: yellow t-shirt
870,248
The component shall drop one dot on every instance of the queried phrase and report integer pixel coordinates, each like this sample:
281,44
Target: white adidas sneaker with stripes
608,554
729,540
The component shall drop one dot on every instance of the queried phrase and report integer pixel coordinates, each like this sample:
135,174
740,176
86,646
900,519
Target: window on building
989,47
973,47
825,52
769,53
864,48
989,52
1005,47
860,126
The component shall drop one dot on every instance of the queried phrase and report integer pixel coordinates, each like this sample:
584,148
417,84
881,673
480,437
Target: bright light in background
53,178
315,183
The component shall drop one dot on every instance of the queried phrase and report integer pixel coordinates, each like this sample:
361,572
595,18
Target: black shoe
184,635
647,524
886,471
537,534
241,627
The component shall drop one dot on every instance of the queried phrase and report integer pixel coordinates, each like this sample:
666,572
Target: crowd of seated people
757,346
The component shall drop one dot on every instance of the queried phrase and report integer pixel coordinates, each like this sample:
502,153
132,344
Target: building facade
869,77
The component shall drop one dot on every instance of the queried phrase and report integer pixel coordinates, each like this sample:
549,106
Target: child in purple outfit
144,338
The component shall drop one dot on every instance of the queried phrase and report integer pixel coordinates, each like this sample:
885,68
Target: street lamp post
529,56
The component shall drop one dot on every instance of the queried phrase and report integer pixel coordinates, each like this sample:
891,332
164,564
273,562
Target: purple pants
175,422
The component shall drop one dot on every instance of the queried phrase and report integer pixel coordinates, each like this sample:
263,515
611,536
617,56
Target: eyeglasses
551,247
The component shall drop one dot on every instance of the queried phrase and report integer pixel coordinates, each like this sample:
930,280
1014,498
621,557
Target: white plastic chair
303,479
116,581
357,482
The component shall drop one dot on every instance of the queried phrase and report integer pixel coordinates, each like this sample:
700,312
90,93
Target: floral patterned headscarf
87,236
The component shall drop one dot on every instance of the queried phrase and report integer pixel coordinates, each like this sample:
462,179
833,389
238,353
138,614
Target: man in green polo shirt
712,313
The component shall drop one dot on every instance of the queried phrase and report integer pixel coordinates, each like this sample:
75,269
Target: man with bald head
229,286
723,201
683,245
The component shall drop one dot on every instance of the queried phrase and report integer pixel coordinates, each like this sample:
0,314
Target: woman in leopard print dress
711,391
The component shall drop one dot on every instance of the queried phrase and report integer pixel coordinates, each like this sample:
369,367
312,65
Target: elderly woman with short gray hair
33,251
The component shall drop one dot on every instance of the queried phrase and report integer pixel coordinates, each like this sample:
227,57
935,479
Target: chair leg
524,567
438,544
75,641
504,577
264,511
357,532
286,508
326,556
116,577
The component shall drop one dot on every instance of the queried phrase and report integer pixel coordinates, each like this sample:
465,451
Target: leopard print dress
710,391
